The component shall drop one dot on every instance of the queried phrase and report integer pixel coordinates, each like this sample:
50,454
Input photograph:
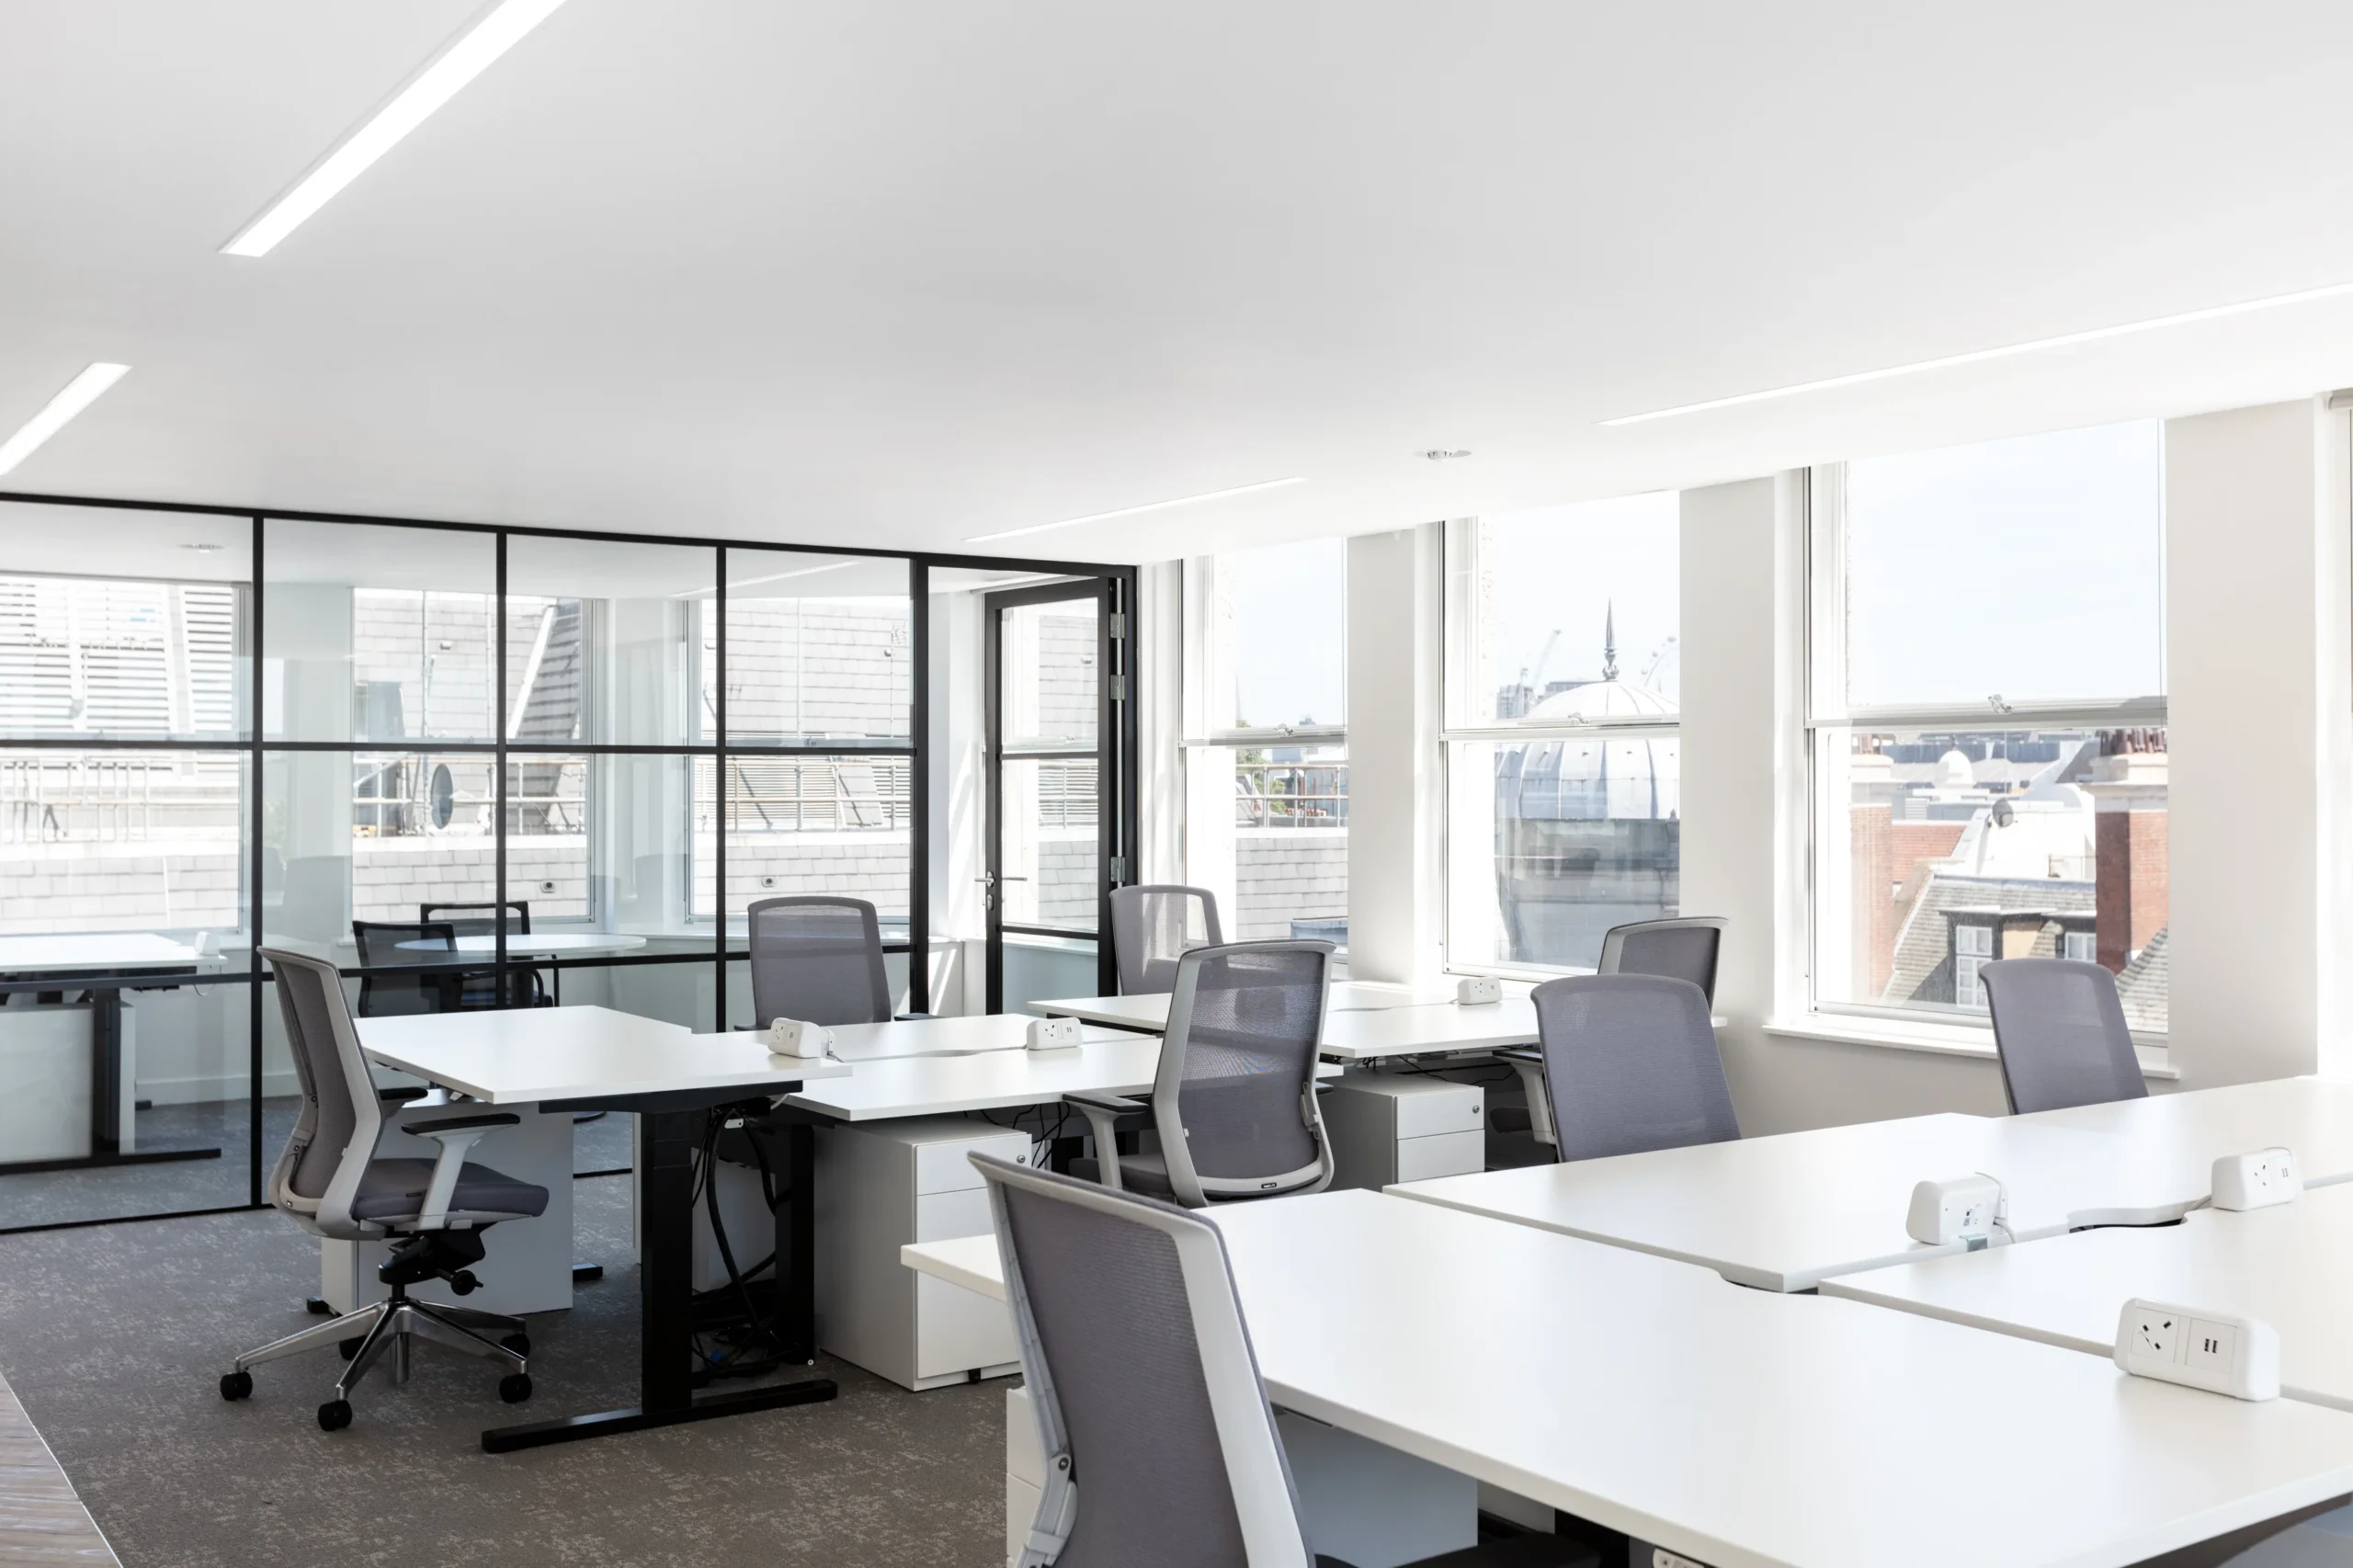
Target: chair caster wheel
317,1306
334,1415
519,1342
236,1385
347,1348
514,1388
463,1283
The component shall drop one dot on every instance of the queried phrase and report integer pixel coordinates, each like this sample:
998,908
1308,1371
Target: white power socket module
2256,1180
2237,1355
1054,1034
1478,989
1958,1209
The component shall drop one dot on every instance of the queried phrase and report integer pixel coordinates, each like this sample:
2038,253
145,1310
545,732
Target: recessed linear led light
774,577
78,394
491,34
1131,511
1978,355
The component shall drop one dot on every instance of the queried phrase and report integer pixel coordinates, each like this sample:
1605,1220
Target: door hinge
1119,871
1118,688
1118,625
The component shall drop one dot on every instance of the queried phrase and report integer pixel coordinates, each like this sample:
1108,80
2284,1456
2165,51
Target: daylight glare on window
1290,609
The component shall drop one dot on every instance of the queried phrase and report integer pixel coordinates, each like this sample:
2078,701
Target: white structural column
1157,640
2256,573
1396,792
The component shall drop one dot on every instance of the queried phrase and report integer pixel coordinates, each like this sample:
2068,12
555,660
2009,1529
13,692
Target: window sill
1939,1040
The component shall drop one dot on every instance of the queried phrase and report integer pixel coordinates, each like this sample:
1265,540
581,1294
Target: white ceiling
897,275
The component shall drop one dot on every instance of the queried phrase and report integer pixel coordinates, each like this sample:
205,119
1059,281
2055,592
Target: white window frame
1827,713
1472,821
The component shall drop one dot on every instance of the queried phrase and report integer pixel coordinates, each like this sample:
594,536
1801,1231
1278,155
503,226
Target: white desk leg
1364,1502
527,1267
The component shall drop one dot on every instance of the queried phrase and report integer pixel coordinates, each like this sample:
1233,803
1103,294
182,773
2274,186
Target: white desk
2182,1135
73,1084
561,1059
2291,1266
1150,1012
1785,1212
537,944
1733,1427
963,1035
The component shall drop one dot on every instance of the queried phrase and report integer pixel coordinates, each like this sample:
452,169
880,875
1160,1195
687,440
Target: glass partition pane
826,824
1047,843
600,855
604,643
819,649
126,625
377,634
1046,671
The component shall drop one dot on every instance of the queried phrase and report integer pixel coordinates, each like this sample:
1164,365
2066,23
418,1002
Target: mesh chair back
480,987
429,945
1630,1065
1161,1449
1155,925
2060,1031
340,1119
1680,949
1235,1098
818,959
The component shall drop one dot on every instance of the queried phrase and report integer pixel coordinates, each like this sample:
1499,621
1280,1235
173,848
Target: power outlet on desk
2257,1180
2214,1351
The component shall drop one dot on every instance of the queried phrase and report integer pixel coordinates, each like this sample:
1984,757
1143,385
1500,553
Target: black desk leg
800,1218
105,1071
665,1274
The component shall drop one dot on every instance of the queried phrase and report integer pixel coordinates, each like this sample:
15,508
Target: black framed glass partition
474,765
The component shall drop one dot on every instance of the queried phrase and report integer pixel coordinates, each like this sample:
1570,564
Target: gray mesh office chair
332,1181
818,959
1629,1064
1155,923
1682,948
1234,1099
1161,1449
429,946
2060,1032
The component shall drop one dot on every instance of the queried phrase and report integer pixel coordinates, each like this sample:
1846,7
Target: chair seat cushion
393,1190
1147,1174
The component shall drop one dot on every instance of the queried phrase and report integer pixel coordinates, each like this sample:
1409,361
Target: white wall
1396,794
2256,658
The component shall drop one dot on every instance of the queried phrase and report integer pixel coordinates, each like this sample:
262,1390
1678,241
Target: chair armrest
1103,1112
457,1135
1530,1065
448,1124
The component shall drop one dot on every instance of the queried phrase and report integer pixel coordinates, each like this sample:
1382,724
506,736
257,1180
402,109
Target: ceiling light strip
58,412
1980,355
464,58
1134,511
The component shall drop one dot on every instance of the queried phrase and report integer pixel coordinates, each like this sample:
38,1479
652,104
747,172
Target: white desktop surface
1150,1011
1744,1429
963,1034
1785,1212
880,1088
1363,1021
2185,1133
2290,1266
97,950
538,945
527,1055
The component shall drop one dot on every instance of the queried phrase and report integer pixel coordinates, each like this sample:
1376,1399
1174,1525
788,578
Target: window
1267,758
1987,719
1563,765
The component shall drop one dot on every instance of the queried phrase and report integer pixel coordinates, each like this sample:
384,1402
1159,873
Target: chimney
2127,791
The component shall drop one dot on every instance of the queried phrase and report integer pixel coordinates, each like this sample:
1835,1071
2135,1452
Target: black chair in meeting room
479,988
1685,948
427,947
1160,1444
1234,1101
434,1212
1630,1065
1153,926
2059,1030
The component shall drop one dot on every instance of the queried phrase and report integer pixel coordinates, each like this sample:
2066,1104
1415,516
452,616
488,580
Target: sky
1566,569
1291,633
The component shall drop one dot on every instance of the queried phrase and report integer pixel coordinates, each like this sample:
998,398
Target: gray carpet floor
115,1339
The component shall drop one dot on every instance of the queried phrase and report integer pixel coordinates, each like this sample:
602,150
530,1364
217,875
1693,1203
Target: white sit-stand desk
63,1113
2182,1135
2290,1266
1732,1427
559,1060
1785,1212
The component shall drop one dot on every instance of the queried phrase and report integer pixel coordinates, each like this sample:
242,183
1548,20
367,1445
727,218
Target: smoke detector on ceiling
1444,454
